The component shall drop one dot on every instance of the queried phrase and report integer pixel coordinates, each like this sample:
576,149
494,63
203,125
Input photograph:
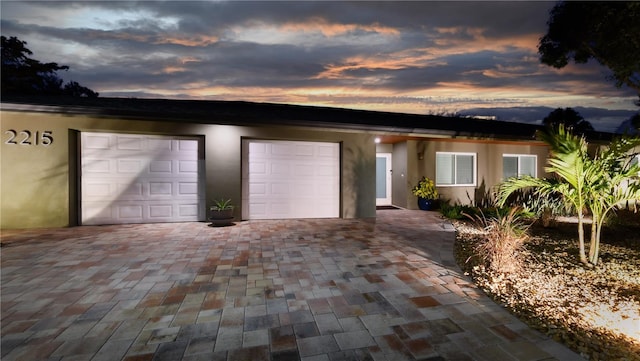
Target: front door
383,179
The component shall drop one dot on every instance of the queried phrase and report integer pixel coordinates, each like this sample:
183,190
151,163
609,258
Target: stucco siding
489,159
39,181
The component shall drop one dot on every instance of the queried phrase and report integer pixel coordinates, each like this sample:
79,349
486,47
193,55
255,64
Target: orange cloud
428,56
191,41
197,40
318,24
391,61
474,39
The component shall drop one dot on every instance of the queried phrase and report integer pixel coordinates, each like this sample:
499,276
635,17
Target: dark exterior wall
39,182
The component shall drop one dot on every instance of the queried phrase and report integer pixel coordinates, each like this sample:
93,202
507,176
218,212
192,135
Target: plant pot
221,217
425,204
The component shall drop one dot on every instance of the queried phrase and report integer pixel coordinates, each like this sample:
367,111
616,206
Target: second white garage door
288,179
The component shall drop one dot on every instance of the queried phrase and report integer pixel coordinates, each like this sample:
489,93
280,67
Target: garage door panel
129,191
97,141
326,171
97,166
257,168
325,190
187,166
325,151
258,189
304,170
280,209
158,144
279,168
130,166
258,209
99,212
279,189
160,189
257,149
188,210
98,190
283,179
280,149
187,188
188,145
134,178
304,190
304,150
305,210
129,142
160,211
161,167
129,212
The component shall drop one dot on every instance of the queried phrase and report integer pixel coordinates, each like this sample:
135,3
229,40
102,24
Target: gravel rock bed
593,310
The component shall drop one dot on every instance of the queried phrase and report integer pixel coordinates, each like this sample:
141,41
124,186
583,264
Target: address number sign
27,137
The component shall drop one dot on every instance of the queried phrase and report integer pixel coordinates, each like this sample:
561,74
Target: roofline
251,113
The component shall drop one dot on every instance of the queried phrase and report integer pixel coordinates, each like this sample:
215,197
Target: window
517,165
455,169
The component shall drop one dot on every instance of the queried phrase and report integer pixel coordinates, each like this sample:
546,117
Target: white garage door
287,179
133,178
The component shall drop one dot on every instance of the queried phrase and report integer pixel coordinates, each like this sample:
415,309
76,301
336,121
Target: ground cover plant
594,310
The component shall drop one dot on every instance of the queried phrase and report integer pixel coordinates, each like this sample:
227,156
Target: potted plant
426,192
221,212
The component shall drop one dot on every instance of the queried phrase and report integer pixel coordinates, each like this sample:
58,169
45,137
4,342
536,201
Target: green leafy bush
221,204
426,188
457,211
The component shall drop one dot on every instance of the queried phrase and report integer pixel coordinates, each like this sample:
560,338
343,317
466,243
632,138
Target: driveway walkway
331,289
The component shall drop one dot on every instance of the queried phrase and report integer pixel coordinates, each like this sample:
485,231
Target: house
78,161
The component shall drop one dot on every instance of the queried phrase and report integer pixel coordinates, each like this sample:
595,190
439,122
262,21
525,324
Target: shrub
426,189
457,211
505,235
545,209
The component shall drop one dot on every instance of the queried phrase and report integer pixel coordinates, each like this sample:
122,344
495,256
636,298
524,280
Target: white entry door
383,179
290,179
134,178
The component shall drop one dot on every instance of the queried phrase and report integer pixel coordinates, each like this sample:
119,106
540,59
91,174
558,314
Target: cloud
414,57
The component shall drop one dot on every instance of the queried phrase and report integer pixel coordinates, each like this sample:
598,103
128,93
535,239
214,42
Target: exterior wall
488,165
384,148
39,182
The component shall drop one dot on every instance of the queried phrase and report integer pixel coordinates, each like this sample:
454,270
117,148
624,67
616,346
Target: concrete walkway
330,289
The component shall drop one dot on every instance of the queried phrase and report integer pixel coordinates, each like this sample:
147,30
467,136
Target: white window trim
535,167
475,170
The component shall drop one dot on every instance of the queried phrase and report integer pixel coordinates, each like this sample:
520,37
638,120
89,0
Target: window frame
455,154
519,156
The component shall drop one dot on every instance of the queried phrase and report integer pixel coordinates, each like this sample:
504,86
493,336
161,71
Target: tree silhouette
21,75
76,90
606,31
569,118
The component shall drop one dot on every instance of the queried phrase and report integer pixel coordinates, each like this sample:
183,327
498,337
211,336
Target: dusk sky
475,58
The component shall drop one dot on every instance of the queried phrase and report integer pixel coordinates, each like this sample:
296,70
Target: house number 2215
27,137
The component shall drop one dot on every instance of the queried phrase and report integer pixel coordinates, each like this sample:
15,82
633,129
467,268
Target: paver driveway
330,289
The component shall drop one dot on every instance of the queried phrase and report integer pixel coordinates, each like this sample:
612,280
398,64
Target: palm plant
567,160
616,184
599,183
